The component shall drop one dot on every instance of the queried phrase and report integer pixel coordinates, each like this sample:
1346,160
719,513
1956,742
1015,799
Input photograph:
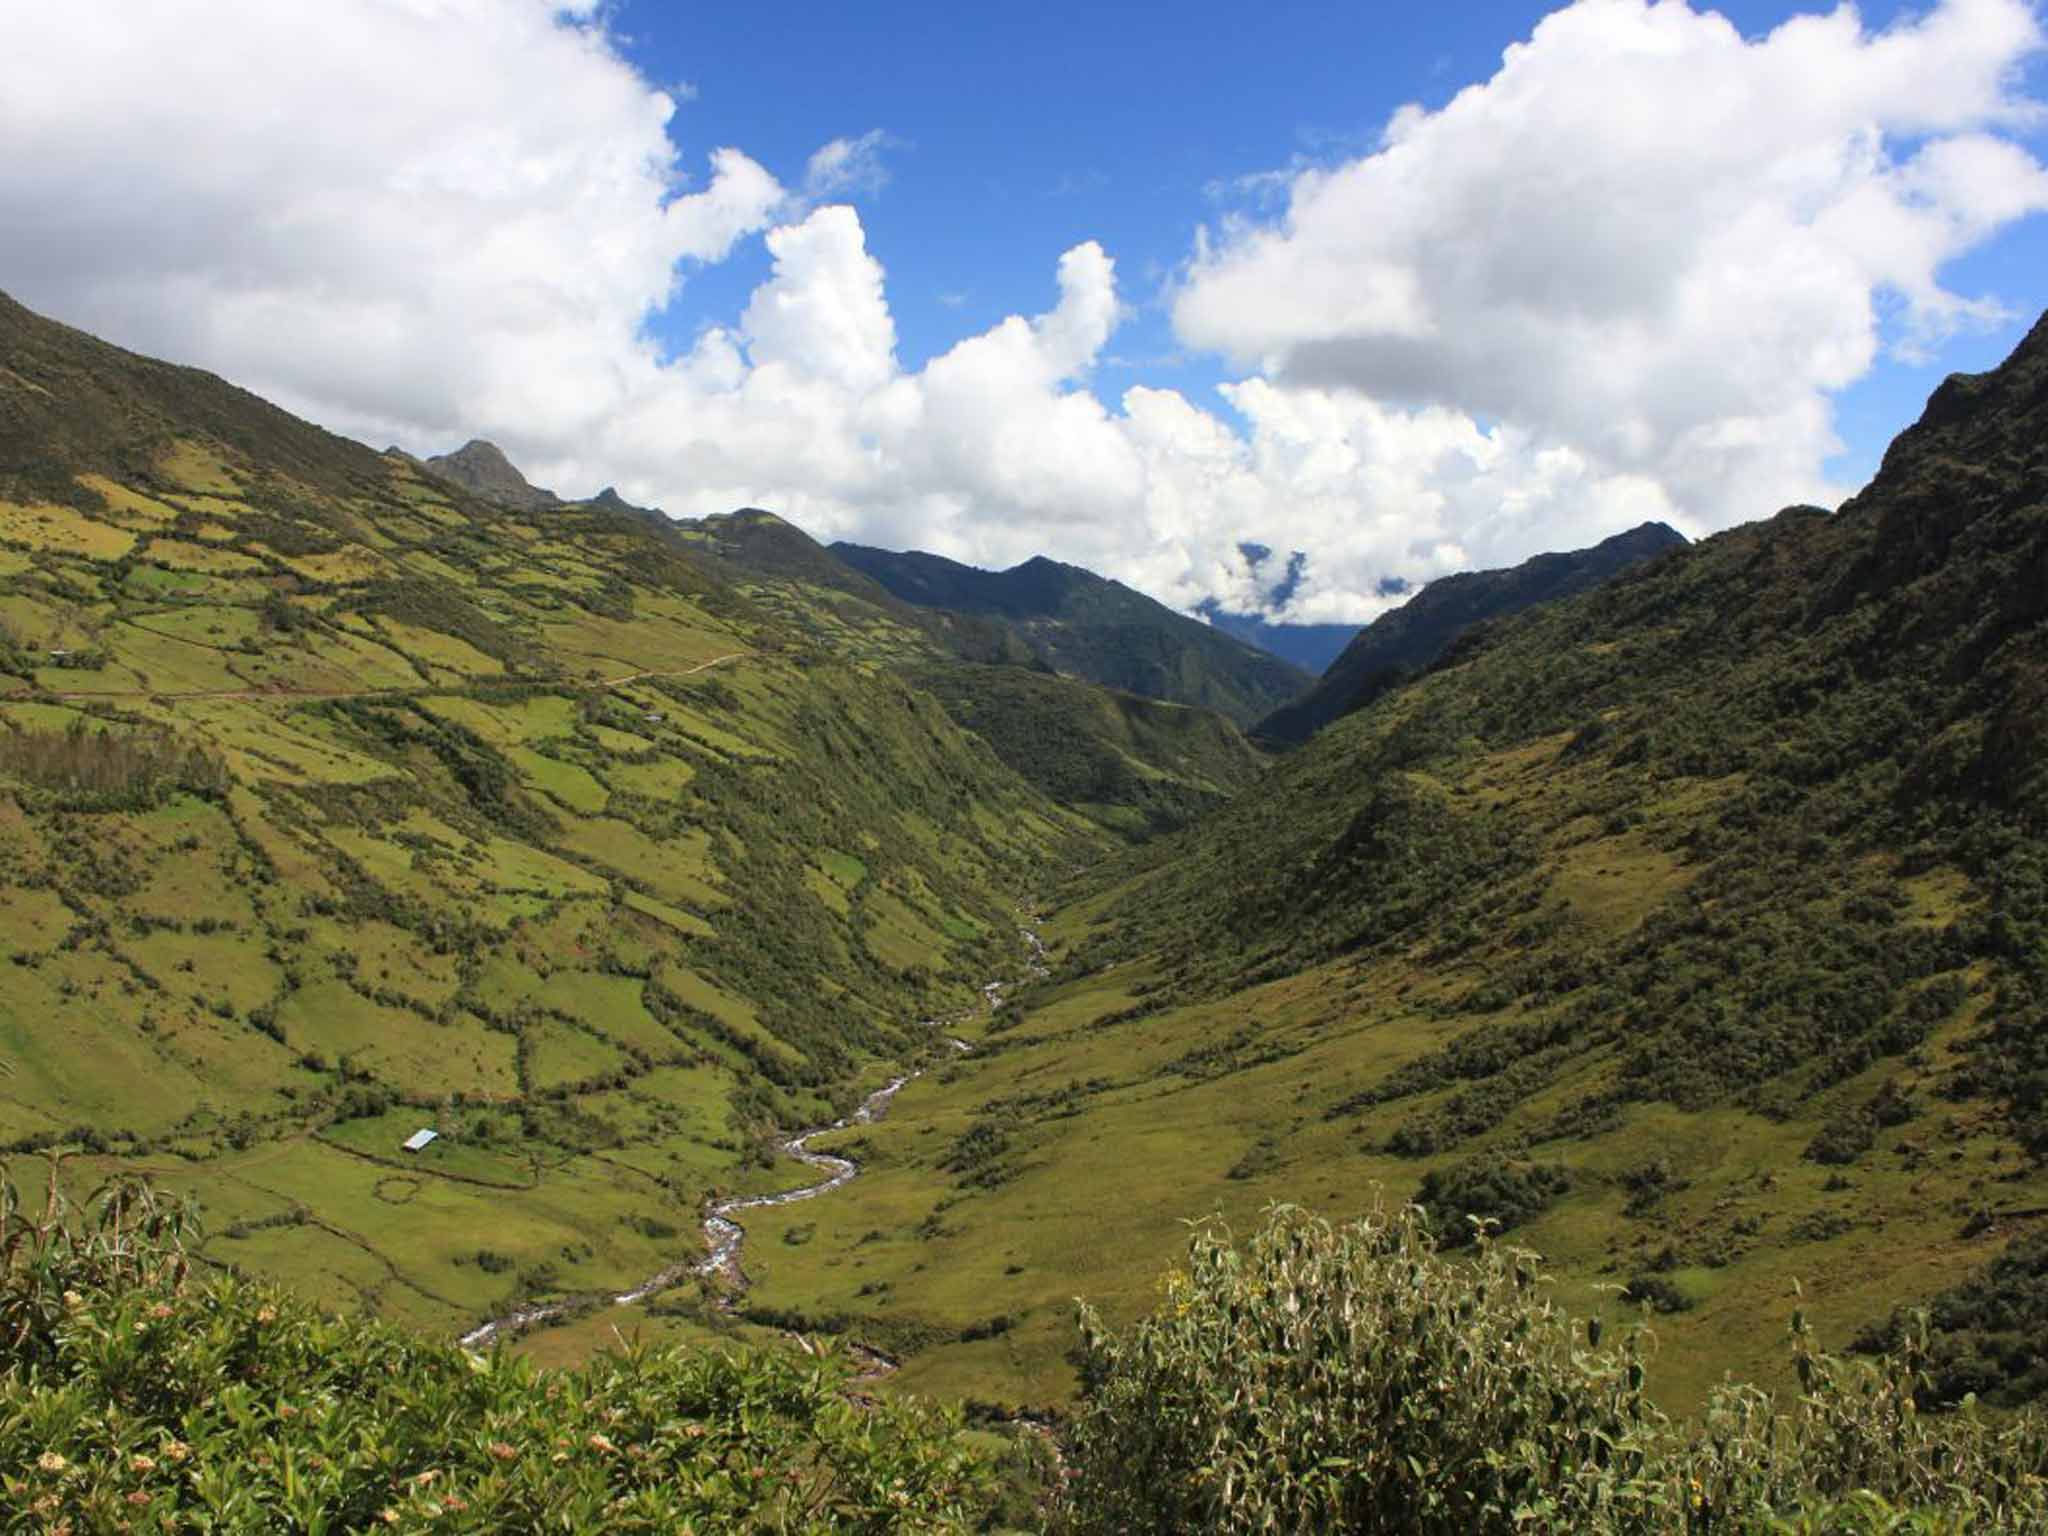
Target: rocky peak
482,469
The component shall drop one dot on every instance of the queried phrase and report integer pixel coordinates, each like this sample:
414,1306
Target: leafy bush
1356,1379
1843,1139
1261,1157
131,1237
132,1399
1656,1293
977,1155
14,656
1500,1193
280,614
1647,1184
1847,1136
1989,1334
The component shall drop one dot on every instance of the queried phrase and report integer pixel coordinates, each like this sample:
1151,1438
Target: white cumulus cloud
402,217
1620,279
1647,241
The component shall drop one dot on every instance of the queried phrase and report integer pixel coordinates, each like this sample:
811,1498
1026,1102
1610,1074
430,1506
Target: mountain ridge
1094,627
1409,638
1693,927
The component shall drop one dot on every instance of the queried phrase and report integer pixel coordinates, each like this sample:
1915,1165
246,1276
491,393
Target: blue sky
1012,133
1404,290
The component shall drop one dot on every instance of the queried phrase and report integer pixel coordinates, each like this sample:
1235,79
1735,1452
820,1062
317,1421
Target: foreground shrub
134,1399
1355,1379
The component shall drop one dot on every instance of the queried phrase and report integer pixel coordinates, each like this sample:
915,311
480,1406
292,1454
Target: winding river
721,1231
724,1234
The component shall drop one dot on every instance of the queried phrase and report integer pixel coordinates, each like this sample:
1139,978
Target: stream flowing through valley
722,1233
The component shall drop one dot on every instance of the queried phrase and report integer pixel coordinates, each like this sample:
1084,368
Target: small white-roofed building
420,1138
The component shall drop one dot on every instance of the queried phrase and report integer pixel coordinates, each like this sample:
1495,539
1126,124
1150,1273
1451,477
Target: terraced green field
335,804
1692,929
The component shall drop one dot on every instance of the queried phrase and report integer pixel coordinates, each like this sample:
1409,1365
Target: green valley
340,804
1690,932
1691,929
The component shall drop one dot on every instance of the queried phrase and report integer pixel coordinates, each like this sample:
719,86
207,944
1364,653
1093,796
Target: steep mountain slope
1695,927
335,803
1410,637
1131,768
1132,765
1089,627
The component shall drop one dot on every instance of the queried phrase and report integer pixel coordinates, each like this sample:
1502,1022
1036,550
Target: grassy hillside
1136,766
335,803
1409,638
1133,766
1083,625
786,571
1693,928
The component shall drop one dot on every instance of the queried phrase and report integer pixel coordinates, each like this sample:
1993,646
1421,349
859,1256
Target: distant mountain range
1312,647
1132,764
1407,639
1062,618
1089,626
